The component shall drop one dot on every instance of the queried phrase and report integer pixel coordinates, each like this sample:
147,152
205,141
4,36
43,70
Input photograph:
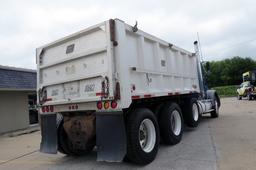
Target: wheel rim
176,122
147,135
195,112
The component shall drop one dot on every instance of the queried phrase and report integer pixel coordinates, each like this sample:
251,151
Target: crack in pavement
213,145
21,156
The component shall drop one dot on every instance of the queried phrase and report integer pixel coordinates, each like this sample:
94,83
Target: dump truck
118,90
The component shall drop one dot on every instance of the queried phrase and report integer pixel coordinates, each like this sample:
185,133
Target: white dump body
72,70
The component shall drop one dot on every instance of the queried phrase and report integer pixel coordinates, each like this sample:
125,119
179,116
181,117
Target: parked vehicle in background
247,88
119,88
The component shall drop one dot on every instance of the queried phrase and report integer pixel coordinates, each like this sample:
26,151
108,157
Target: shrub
226,91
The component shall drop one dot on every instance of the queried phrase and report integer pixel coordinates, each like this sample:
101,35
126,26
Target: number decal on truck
55,92
70,48
89,87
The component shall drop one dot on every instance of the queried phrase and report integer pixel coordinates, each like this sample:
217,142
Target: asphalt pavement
228,142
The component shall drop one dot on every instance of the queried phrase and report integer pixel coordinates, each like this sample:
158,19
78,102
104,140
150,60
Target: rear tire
191,113
171,123
142,136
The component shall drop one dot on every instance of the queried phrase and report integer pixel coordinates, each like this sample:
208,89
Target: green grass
226,91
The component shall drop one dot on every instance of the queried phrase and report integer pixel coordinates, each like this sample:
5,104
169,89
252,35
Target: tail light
99,105
47,109
113,104
106,104
43,109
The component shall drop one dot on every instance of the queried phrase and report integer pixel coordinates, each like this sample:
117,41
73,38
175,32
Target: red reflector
73,107
106,104
76,106
47,108
43,109
51,109
147,95
100,94
135,97
99,105
113,104
69,107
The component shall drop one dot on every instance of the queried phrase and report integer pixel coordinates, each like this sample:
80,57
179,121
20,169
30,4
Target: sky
226,28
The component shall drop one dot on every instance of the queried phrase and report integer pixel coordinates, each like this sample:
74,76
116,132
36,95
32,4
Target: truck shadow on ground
171,152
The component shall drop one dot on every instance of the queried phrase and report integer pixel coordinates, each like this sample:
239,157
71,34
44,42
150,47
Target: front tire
239,97
142,136
215,112
171,124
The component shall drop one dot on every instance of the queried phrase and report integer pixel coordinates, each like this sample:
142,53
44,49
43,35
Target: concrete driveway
228,142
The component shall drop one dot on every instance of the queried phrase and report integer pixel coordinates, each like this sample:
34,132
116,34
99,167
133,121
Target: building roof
12,78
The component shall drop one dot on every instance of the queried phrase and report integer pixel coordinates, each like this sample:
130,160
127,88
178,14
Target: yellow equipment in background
249,76
247,88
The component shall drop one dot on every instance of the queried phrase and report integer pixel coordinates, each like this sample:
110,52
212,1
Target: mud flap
48,133
110,137
213,95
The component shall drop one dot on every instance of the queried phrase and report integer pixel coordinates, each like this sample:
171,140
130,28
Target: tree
227,71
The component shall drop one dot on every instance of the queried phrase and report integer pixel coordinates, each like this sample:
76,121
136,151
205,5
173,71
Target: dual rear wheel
171,123
142,136
144,131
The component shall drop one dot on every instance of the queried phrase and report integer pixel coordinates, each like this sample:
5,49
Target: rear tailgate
77,68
